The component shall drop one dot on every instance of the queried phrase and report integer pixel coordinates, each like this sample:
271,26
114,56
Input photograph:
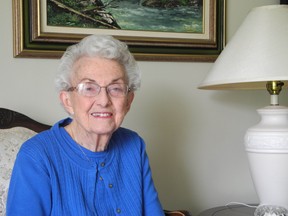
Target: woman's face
100,114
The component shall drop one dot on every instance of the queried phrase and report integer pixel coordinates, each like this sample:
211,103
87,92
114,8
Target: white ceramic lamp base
267,148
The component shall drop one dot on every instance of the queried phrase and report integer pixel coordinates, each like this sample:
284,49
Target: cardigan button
102,164
118,211
110,185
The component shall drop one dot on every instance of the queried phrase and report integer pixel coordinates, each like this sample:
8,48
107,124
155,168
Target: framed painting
168,30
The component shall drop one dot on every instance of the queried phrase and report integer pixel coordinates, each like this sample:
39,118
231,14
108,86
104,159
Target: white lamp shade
257,53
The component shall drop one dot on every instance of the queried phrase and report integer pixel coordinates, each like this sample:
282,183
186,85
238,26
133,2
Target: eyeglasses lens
92,89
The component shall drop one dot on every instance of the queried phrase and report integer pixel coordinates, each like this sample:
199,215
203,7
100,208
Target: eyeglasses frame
73,88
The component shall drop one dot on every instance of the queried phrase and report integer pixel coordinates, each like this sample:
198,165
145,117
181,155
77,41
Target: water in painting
183,16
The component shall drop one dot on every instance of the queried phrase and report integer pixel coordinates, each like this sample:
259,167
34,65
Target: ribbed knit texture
53,176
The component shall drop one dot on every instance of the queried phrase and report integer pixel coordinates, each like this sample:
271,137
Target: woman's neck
93,142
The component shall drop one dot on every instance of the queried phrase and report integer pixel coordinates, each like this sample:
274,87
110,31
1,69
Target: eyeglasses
90,89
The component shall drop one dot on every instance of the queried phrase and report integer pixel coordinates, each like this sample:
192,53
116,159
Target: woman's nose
103,98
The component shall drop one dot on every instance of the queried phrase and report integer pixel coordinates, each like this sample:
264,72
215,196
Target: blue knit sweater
53,175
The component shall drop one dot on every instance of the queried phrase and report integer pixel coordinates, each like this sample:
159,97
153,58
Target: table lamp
257,58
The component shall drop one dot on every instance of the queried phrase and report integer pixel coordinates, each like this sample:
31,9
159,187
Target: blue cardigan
53,176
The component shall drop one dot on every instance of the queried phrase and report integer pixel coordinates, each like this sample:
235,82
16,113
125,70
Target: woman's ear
65,99
130,99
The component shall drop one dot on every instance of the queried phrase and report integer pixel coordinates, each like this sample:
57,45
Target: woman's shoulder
38,141
127,138
126,130
127,133
46,136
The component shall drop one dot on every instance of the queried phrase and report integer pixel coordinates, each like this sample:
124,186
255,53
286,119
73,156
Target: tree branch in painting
72,14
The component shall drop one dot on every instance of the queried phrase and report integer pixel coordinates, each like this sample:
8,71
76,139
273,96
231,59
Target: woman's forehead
98,69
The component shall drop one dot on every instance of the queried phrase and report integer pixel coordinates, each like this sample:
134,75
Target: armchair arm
177,213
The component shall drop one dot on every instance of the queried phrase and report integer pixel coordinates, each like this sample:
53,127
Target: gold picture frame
34,39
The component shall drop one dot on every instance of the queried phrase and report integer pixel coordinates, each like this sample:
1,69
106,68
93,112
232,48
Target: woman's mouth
102,114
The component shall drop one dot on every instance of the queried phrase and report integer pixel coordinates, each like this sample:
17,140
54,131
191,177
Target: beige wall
194,137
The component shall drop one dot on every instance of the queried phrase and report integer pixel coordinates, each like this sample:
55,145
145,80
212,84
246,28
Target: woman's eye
116,89
90,89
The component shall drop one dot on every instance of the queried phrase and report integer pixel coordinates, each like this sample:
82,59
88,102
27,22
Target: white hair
103,46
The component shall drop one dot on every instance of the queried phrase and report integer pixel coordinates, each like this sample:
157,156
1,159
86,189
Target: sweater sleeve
29,190
152,205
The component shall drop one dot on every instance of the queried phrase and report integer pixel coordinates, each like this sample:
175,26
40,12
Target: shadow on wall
167,124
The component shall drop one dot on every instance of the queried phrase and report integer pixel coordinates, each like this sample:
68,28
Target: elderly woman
87,164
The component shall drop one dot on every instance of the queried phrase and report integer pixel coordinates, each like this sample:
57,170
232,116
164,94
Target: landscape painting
183,16
154,30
